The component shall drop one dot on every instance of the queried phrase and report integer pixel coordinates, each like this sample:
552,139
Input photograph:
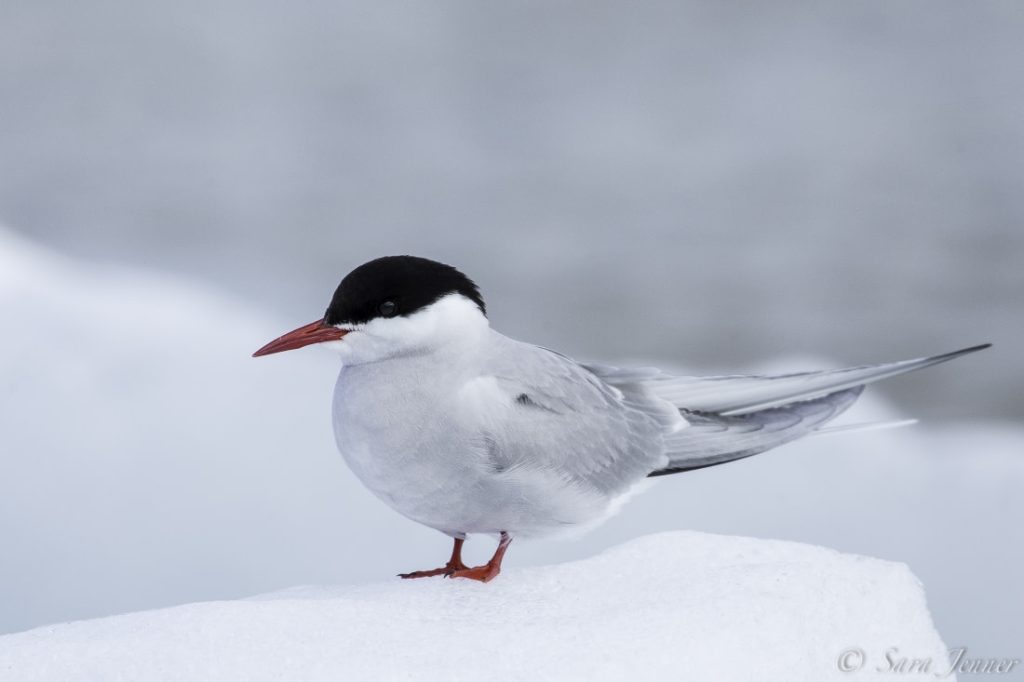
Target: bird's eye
388,309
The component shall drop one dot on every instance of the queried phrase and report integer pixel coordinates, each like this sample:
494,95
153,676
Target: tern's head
393,306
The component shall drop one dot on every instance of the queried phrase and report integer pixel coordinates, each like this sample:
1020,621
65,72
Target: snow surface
671,606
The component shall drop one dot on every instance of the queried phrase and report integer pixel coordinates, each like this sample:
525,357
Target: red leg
488,571
454,564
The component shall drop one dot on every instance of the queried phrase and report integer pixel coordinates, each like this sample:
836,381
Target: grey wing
732,417
563,420
718,437
734,395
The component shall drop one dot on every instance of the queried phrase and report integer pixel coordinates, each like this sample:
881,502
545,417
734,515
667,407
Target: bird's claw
484,573
447,571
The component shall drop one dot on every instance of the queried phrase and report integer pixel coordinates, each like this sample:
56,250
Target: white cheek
359,347
453,322
336,346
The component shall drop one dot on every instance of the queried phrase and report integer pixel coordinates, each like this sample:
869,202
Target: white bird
467,431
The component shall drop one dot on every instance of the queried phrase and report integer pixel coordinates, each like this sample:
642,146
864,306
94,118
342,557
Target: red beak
314,332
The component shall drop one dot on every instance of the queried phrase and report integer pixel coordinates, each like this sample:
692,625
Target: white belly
403,442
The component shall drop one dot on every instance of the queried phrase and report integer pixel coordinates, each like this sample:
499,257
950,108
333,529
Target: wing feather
564,420
735,395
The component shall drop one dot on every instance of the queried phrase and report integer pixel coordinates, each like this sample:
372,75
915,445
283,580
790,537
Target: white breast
394,433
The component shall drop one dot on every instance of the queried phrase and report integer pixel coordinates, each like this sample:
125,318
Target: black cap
396,286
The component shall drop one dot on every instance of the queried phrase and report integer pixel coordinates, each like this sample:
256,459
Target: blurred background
703,186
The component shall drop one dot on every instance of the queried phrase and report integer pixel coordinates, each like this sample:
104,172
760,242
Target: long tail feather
861,427
732,417
736,395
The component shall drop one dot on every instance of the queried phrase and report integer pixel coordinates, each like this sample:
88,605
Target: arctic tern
465,430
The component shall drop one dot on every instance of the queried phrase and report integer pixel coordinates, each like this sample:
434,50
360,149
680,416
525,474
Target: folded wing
733,395
732,417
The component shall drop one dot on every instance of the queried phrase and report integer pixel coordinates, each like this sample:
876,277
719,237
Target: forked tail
732,417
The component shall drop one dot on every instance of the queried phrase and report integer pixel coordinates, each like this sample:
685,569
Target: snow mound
671,606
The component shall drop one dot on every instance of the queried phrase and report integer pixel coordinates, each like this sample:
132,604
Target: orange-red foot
446,570
484,574
454,564
488,571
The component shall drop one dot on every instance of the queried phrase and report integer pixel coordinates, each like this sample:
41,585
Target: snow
147,458
670,606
